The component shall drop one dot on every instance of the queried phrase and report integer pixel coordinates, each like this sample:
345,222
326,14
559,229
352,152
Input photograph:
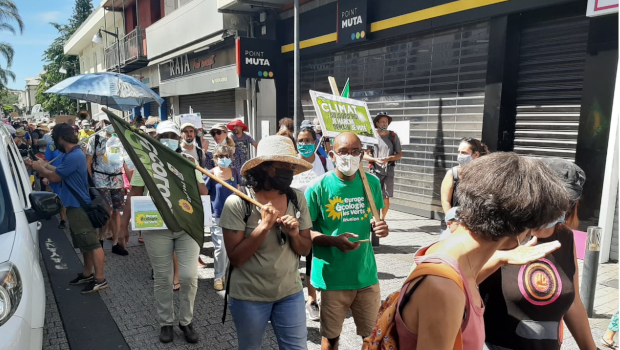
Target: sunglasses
216,132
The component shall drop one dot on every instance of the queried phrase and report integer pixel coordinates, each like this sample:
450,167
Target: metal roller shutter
435,80
153,106
550,79
210,105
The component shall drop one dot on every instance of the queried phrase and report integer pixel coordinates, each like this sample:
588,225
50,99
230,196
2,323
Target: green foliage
8,13
56,59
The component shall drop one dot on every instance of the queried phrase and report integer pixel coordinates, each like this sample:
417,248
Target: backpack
290,197
97,137
455,182
323,161
384,335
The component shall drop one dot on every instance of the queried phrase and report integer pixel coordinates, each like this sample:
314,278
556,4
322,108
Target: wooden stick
332,84
232,188
373,207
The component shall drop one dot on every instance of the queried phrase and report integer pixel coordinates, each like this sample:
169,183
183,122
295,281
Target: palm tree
8,13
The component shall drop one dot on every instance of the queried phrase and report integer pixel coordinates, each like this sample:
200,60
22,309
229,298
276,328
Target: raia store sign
256,58
194,63
352,21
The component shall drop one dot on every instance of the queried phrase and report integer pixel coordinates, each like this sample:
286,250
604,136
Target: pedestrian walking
263,247
73,177
219,194
469,149
188,144
607,341
161,246
108,179
306,146
528,297
243,140
219,132
382,159
503,197
343,266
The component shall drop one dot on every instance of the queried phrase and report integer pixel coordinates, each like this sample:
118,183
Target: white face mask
464,159
348,164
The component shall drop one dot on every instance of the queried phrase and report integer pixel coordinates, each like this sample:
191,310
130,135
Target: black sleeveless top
525,304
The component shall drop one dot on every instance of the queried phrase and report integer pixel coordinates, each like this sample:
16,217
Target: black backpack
290,197
455,182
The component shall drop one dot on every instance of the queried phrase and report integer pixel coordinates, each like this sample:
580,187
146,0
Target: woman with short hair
502,197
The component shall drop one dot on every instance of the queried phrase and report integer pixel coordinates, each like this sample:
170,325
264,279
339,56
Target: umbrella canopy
115,90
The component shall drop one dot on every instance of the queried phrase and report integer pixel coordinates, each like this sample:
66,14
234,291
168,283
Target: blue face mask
560,220
170,143
306,150
224,162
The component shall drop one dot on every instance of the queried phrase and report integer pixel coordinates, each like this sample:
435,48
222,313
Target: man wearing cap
45,132
19,140
383,157
188,146
72,175
108,179
344,267
242,140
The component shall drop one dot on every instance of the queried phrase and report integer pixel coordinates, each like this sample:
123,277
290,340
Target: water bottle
113,151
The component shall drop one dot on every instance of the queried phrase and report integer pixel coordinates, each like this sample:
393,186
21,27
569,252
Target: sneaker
117,249
166,334
190,334
81,279
62,225
312,311
218,284
95,286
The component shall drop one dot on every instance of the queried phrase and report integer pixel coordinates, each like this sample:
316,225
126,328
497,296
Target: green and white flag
345,89
168,176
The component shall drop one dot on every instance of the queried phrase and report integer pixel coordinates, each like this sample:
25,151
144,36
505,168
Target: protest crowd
300,193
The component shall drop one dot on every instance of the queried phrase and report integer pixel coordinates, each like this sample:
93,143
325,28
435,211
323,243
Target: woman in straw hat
263,247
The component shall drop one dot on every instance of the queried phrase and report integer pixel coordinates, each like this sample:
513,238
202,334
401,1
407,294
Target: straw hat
152,121
20,133
219,126
276,148
44,127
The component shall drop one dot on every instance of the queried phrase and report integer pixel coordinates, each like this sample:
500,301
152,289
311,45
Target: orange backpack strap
445,271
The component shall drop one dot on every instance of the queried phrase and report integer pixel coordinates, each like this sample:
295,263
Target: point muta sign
352,21
256,58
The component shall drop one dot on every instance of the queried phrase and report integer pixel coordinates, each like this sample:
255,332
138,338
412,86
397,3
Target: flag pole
228,186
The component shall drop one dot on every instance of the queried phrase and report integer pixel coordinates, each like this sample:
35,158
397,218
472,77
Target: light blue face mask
170,143
306,150
224,162
560,220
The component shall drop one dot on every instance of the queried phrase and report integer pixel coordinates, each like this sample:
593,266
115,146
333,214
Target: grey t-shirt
385,148
243,143
271,273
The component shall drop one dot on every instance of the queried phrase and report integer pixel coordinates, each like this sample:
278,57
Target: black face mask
282,180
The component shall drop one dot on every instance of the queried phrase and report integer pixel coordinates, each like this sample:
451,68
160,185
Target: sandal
608,345
176,286
140,239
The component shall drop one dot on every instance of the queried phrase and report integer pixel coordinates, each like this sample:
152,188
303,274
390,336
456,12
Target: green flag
170,179
345,89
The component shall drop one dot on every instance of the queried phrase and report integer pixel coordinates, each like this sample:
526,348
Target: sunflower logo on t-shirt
332,208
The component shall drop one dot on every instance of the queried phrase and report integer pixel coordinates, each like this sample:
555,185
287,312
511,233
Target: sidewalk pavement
130,296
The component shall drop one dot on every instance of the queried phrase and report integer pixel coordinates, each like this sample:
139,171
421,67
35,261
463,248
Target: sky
38,35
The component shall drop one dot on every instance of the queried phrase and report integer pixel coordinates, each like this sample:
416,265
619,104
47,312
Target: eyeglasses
216,132
354,153
222,156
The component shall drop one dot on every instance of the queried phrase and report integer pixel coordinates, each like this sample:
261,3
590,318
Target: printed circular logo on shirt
539,282
186,206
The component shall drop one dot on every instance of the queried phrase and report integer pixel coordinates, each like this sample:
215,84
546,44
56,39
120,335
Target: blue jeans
220,259
287,316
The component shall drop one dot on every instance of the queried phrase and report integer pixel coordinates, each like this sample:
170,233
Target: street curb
86,319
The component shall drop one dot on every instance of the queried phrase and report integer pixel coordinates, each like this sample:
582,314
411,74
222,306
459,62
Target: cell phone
362,240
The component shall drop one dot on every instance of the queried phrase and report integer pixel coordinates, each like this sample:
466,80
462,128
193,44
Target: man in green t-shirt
343,269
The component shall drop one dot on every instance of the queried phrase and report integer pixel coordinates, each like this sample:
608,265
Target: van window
7,214
17,179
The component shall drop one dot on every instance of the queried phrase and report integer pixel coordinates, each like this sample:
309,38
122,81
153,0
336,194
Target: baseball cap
452,214
168,126
572,176
185,125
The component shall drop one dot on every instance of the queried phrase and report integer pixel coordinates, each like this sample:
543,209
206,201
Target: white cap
168,126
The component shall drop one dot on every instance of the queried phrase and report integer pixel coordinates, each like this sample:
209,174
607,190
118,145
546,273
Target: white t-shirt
302,180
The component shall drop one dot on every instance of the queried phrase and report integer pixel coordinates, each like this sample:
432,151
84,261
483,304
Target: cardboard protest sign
191,118
338,114
146,217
